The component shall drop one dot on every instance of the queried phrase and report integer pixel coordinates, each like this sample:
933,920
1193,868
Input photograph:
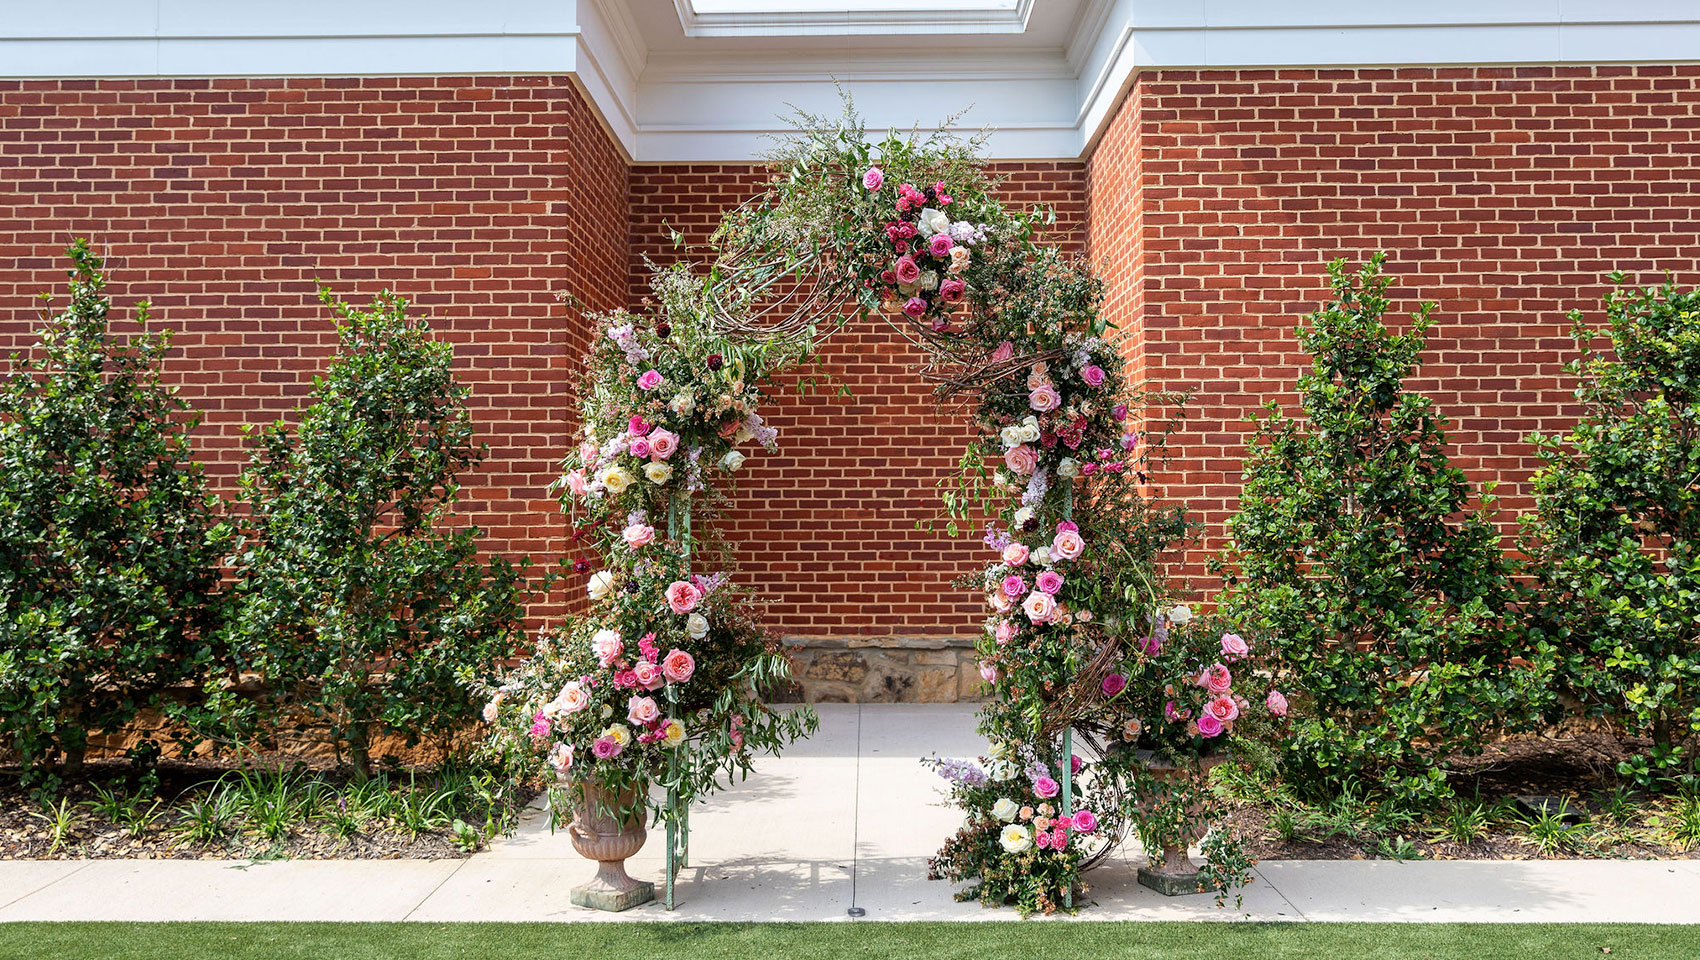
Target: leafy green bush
1618,526
360,614
109,543
1356,553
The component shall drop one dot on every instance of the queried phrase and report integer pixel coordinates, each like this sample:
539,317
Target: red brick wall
827,523
1504,195
222,201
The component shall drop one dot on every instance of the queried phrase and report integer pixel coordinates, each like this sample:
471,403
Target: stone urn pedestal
1171,871
598,835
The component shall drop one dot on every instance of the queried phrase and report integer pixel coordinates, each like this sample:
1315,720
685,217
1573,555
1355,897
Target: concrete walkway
845,819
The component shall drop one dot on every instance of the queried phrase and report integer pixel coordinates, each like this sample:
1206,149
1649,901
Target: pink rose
1085,821
1014,586
1042,840
642,710
607,647
1276,703
637,426
648,675
662,444
678,666
640,448
1045,398
577,483
1015,554
1068,545
1113,684
1233,647
649,380
539,726
1223,708
952,291
638,535
1067,526
1059,836
1150,646
1209,726
988,672
1130,440
1045,788
1050,581
873,179
1172,713
1000,601
572,698
1039,607
1004,351
907,270
1216,679
915,307
939,245
1093,375
1007,631
682,596
605,748
1021,459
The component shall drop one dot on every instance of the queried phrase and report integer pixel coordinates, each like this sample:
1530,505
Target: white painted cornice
697,81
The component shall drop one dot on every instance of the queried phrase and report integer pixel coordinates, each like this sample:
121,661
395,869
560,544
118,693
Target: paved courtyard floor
845,819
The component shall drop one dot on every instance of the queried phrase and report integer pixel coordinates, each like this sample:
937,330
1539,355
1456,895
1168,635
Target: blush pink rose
1021,459
640,447
915,307
1004,351
1050,581
678,666
649,380
1045,398
988,672
952,291
1233,647
607,647
1093,375
1216,679
906,270
1276,703
573,698
1007,631
1223,708
1068,545
873,179
683,596
1014,586
1000,601
638,535
1039,607
939,245
648,675
1015,554
642,710
577,483
1209,726
662,444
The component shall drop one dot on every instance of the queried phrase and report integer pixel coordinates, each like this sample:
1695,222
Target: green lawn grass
841,941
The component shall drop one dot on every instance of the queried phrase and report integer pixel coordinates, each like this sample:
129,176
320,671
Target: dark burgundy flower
715,361
581,565
663,329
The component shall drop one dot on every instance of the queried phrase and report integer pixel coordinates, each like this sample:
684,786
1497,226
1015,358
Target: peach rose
1039,607
638,535
1021,459
642,710
1015,554
682,596
1068,546
572,698
678,666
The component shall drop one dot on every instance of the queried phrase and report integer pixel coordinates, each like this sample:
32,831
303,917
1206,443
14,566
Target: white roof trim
700,100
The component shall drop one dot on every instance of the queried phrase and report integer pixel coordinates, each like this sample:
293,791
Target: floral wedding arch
659,690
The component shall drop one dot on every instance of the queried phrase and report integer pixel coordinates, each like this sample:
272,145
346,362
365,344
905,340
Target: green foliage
359,611
1618,527
109,543
1358,554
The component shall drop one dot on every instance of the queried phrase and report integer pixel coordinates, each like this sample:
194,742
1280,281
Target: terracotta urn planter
1171,871
598,835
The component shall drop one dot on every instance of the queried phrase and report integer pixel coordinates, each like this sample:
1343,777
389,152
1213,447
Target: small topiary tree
109,542
1618,527
358,612
1357,554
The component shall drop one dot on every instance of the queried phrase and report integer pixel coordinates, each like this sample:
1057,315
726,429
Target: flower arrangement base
1176,876
597,835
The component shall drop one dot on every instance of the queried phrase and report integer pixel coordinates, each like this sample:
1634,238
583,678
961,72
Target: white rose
732,461
1001,770
1069,467
929,280
697,626
616,479
1011,436
1023,515
1181,614
1005,809
932,221
1042,556
601,585
683,404
658,472
1015,838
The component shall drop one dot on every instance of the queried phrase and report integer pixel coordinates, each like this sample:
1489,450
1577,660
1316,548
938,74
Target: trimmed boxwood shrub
109,543
1367,561
1618,527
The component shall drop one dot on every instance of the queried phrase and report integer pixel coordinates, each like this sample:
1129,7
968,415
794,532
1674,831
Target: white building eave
700,81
